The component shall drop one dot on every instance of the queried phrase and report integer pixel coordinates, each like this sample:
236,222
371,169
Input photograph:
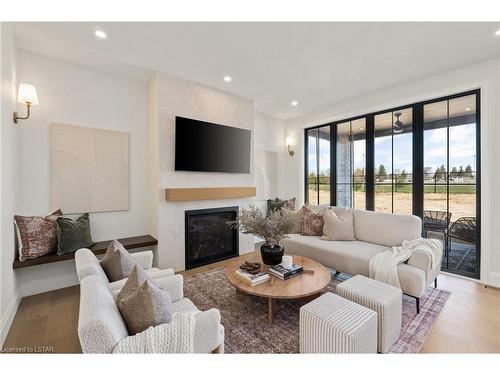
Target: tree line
439,174
381,174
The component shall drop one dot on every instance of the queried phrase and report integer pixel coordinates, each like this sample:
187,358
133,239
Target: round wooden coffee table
308,285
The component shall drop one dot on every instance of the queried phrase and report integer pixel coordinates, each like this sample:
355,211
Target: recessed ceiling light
227,79
498,32
468,109
100,34
361,128
294,103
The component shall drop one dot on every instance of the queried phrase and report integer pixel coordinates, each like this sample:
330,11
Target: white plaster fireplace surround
170,97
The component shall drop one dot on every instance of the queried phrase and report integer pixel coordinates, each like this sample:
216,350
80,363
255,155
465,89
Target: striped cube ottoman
332,324
385,299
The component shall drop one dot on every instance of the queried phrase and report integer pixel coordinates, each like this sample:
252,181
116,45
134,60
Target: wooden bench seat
97,248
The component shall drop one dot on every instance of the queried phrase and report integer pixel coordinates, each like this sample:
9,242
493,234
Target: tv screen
205,147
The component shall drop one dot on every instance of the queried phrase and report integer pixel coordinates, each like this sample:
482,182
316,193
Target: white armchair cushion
153,273
144,258
173,285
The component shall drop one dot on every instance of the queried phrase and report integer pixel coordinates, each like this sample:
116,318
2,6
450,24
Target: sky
462,150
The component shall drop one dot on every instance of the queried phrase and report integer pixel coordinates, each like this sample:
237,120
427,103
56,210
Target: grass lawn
407,188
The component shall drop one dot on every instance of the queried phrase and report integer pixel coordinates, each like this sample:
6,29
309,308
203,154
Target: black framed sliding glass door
422,158
393,161
318,165
451,204
350,176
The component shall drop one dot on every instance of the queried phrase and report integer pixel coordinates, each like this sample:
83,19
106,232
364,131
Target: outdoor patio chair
464,229
437,221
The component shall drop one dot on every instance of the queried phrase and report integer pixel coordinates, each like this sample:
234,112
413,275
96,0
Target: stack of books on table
251,279
285,273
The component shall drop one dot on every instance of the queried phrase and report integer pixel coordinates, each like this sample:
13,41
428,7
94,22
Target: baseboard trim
494,280
7,319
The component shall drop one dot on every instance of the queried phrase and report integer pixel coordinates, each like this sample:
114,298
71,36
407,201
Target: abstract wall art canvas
89,169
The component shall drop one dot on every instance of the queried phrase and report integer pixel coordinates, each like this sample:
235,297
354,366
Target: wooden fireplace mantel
198,194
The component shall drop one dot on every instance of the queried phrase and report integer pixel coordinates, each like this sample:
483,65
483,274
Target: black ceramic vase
271,255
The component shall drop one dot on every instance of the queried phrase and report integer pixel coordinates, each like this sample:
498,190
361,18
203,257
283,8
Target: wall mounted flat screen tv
205,147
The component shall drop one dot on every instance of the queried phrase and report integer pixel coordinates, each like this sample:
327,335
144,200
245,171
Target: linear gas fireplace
208,236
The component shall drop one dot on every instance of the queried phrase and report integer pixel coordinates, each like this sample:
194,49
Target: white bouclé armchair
100,324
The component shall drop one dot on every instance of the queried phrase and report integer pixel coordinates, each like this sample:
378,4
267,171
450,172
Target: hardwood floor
469,322
46,322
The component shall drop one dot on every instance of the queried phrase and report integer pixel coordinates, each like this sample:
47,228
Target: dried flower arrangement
272,228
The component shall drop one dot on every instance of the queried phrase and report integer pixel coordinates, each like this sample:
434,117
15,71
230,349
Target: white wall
9,298
486,76
76,95
177,97
269,139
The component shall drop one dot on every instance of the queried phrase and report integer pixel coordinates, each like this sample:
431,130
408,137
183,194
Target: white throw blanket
177,336
384,266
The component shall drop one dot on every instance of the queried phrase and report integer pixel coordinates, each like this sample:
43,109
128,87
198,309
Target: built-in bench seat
97,248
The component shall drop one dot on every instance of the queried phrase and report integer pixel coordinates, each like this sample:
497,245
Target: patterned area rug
248,331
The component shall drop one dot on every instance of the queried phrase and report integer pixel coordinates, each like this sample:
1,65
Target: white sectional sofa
375,232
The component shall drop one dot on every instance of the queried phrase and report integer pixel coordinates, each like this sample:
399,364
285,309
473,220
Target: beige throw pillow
134,281
148,306
298,227
117,262
338,227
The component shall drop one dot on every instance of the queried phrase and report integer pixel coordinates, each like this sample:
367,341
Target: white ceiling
271,63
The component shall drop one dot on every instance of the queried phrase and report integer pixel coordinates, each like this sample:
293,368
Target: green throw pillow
73,234
277,204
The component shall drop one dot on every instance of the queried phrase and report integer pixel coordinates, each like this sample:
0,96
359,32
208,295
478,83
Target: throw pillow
300,222
117,263
312,223
148,306
134,281
54,215
36,235
338,227
277,204
73,234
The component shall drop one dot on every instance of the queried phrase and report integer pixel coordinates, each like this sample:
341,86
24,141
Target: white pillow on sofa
338,226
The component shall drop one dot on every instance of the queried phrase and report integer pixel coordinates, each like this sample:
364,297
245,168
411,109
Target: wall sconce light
289,144
27,95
